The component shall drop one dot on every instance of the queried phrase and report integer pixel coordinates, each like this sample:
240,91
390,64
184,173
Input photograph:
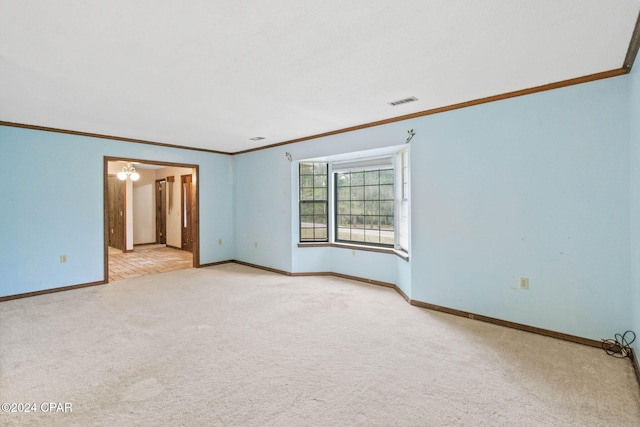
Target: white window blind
385,162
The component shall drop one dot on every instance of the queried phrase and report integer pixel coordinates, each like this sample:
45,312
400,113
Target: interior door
188,209
115,201
161,211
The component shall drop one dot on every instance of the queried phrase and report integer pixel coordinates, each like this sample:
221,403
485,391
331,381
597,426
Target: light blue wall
535,186
52,205
263,216
634,101
267,211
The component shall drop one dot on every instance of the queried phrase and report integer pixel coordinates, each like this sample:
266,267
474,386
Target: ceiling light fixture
257,138
402,101
128,172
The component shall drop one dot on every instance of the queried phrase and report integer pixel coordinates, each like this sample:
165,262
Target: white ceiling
213,74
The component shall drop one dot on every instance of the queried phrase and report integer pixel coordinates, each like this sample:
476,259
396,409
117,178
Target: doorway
161,211
153,218
187,212
116,212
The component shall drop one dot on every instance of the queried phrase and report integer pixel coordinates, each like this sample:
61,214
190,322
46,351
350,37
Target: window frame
403,201
399,161
313,201
364,199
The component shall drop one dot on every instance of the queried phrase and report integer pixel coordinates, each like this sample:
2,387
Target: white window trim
403,201
356,162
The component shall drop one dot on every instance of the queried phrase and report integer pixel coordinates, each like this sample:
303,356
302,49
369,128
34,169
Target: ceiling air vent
402,101
257,138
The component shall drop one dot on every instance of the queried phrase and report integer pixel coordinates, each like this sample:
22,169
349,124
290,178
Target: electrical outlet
524,283
63,259
219,241
256,244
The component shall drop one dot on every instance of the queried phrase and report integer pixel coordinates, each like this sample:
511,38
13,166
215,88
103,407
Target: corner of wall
634,132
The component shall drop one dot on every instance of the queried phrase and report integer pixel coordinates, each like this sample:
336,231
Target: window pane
320,194
357,178
386,176
321,233
372,177
372,207
320,221
306,181
387,237
320,168
360,215
372,236
364,203
313,215
306,168
372,222
386,222
357,193
344,193
344,220
357,208
306,208
343,234
386,192
386,208
306,234
306,194
372,192
357,221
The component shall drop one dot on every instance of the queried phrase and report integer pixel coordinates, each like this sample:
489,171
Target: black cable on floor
620,345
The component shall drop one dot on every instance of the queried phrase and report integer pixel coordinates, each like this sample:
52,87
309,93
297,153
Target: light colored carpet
235,346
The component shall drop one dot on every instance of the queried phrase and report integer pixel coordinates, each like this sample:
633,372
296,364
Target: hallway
145,260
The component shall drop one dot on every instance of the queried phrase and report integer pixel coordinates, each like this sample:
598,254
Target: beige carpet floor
235,346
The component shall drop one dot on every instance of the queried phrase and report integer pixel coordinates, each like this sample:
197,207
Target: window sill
402,254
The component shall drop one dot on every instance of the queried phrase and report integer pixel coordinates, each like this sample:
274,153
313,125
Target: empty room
365,213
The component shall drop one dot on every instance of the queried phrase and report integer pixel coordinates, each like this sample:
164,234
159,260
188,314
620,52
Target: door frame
124,213
163,212
186,207
105,197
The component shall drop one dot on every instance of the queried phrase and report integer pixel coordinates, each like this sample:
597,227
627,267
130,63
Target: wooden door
115,206
187,202
161,211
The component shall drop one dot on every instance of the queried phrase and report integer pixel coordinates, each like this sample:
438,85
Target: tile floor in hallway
148,259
